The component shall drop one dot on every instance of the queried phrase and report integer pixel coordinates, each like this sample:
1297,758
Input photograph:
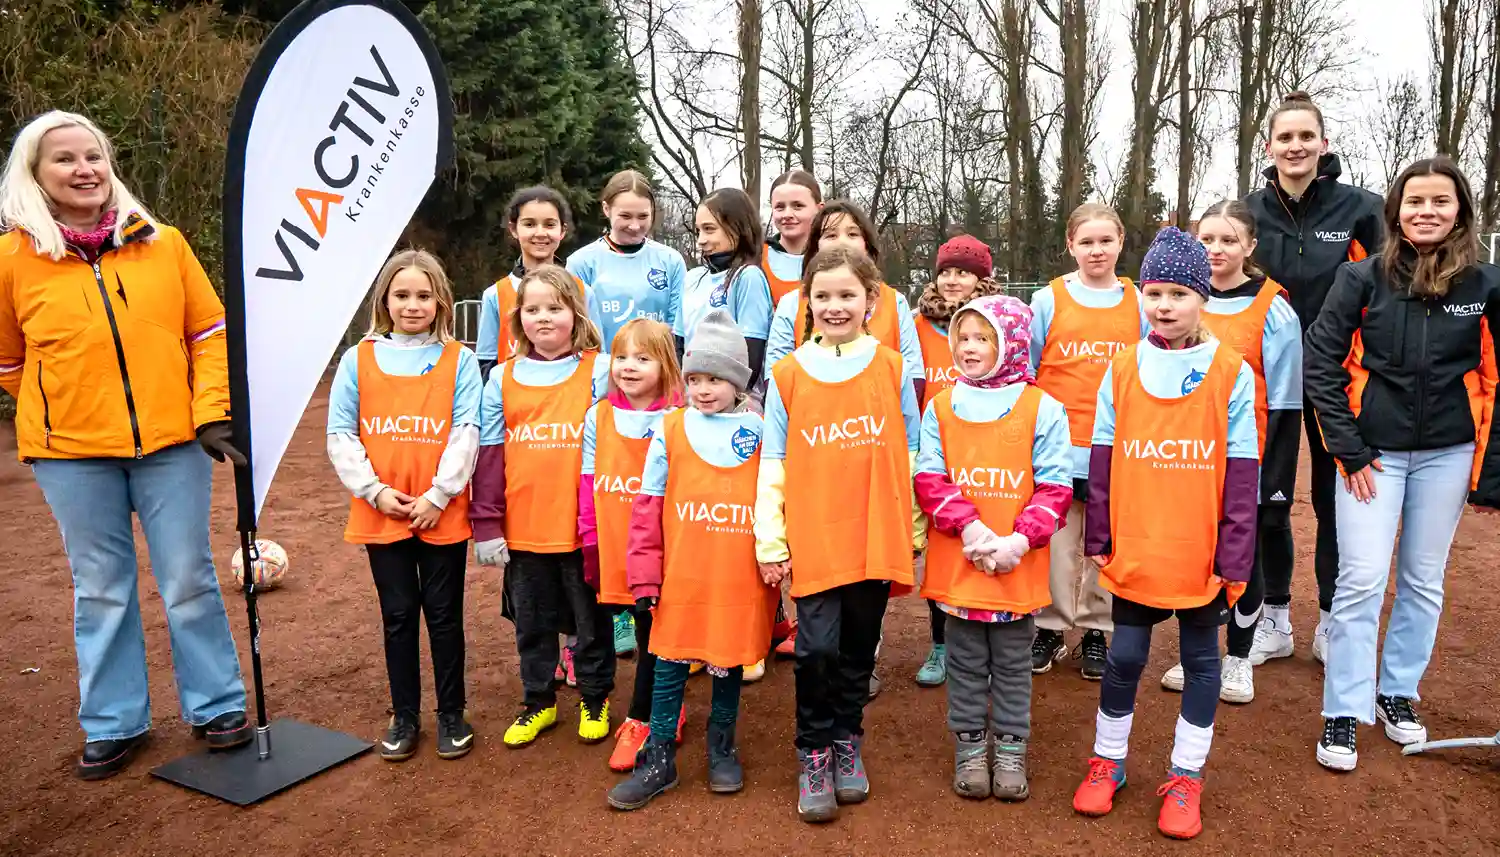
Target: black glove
215,440
645,605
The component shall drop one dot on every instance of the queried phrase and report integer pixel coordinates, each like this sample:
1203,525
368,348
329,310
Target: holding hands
773,573
992,553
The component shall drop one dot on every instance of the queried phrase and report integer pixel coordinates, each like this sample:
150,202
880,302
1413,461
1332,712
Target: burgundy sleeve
487,502
643,555
1236,549
941,500
1045,514
1096,512
920,386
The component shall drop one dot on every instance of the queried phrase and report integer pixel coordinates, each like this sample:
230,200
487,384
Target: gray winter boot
1010,769
725,775
971,766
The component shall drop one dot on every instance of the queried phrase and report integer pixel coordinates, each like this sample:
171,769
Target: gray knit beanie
717,347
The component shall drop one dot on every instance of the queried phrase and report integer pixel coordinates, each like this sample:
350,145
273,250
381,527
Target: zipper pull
138,455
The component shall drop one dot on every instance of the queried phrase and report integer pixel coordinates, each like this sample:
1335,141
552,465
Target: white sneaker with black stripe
1402,723
1336,749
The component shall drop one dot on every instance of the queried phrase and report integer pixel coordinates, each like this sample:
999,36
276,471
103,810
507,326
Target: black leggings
414,580
1278,561
1273,537
645,668
939,621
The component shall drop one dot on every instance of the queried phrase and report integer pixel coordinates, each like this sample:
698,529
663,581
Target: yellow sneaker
755,672
532,723
593,721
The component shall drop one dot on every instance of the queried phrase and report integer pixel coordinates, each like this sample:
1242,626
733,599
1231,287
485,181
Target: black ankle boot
103,759
226,731
725,775
655,772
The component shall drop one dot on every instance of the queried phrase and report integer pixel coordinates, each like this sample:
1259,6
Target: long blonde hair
442,291
654,339
586,336
25,206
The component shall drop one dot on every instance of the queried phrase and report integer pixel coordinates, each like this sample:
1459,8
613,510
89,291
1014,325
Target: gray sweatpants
989,676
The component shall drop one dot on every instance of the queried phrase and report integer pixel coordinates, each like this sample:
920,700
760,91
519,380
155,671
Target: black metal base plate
299,751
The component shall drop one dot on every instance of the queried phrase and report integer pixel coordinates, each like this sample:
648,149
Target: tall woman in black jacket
1400,368
1308,223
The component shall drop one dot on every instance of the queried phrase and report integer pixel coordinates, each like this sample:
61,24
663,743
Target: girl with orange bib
403,434
796,199
961,273
834,511
994,459
1250,313
524,505
1079,322
691,559
1171,519
644,384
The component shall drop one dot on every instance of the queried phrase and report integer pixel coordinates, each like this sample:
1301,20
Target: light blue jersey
1174,374
1280,348
747,299
532,373
1050,446
784,265
721,440
824,365
644,284
394,359
631,424
782,338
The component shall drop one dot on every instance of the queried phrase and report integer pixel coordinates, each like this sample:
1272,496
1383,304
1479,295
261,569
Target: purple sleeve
1096,513
1045,514
1236,547
948,508
643,556
487,502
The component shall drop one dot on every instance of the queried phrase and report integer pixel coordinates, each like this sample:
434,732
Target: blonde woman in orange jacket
112,342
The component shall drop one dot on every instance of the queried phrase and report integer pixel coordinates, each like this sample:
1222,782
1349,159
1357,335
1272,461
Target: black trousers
414,578
939,622
1273,536
645,667
1279,560
837,632
543,589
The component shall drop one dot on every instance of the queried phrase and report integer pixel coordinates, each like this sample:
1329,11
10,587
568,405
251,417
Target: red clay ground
1265,792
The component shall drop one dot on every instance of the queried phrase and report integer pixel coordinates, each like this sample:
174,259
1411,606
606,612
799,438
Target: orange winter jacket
119,358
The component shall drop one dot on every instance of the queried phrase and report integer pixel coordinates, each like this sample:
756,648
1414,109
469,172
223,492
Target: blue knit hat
1179,258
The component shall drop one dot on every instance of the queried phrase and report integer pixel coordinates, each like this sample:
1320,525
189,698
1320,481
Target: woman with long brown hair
1393,366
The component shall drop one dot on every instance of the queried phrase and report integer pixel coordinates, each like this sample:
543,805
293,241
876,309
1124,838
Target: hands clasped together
991,553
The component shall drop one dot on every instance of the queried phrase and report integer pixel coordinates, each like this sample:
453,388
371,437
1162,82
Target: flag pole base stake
1451,744
251,773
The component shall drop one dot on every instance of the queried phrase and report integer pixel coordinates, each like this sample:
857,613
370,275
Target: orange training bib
1080,342
505,297
619,462
779,287
1243,332
544,457
937,357
404,423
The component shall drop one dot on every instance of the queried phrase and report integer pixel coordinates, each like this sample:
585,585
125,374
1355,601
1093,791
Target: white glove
493,552
1009,551
980,543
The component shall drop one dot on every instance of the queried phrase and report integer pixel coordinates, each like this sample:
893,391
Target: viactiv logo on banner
343,122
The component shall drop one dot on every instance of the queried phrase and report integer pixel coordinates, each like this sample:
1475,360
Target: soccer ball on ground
269,570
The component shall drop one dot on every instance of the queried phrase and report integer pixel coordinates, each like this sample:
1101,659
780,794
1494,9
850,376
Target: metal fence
466,322
1494,242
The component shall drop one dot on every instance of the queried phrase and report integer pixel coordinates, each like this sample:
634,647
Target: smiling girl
403,435
834,512
1079,322
728,240
1171,519
525,499
795,200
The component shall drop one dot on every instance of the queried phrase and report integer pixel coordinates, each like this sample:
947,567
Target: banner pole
250,553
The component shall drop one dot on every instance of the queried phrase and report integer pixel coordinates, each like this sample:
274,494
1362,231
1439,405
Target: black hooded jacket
1302,242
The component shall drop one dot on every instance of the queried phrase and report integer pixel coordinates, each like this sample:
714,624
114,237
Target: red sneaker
783,629
1096,795
681,719
629,738
788,648
1182,797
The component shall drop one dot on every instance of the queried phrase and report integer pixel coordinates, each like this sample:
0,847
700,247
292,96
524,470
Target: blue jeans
92,499
1424,494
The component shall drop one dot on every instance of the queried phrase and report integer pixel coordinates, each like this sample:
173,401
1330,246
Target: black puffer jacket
1303,241
1407,381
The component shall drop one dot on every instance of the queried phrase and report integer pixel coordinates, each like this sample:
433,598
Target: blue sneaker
934,670
850,782
624,634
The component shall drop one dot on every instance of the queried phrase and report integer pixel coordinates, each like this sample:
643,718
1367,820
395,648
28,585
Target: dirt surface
1265,792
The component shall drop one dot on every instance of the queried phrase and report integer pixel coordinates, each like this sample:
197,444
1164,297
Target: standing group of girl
677,447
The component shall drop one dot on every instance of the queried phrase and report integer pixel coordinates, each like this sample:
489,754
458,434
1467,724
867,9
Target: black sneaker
725,775
103,759
225,731
400,741
655,772
1402,723
455,735
1336,748
1094,651
1047,648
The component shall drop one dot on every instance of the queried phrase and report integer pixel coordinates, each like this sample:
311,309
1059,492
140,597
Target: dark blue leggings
671,686
1130,648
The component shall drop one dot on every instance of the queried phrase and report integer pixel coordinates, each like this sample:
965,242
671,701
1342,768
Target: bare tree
814,46
889,110
1456,68
1491,194
1399,130
1084,69
1185,135
1256,39
749,42
1151,35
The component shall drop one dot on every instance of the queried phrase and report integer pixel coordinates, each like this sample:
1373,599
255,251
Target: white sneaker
755,672
1236,681
1270,642
1320,645
1173,678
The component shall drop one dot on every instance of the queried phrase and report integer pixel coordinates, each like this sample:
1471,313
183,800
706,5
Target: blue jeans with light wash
1424,494
92,499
